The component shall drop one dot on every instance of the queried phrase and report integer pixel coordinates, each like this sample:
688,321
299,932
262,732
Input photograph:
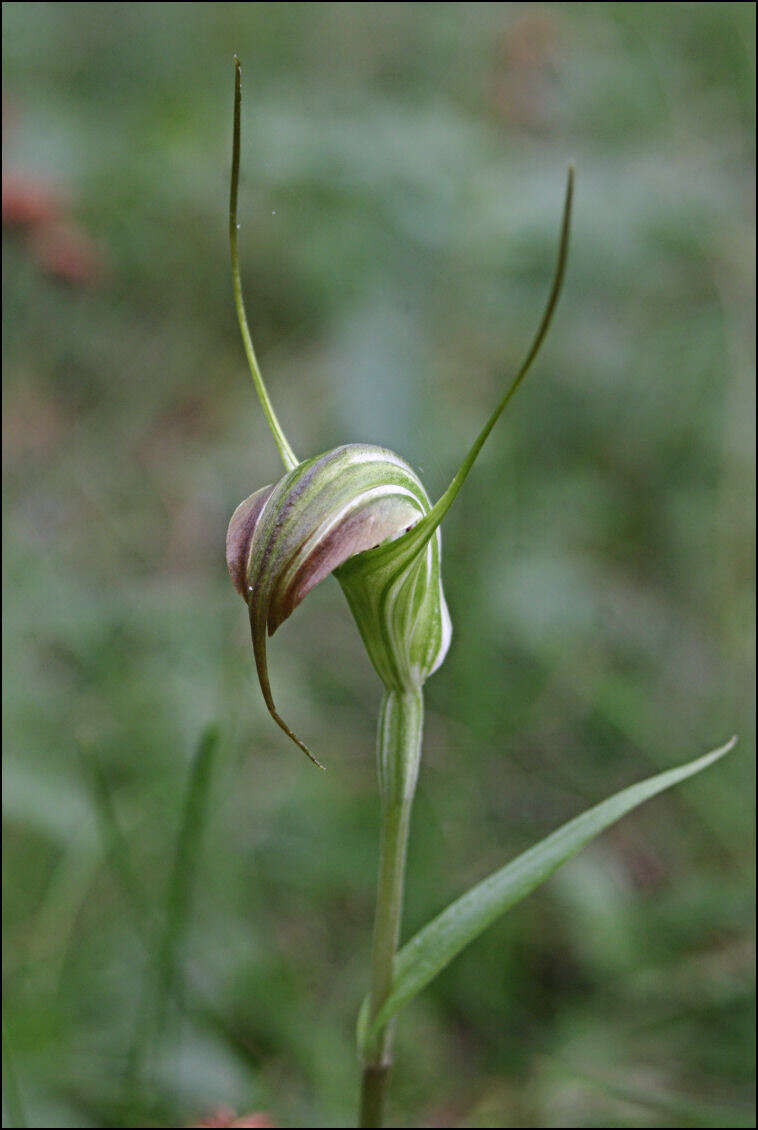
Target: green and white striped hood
340,513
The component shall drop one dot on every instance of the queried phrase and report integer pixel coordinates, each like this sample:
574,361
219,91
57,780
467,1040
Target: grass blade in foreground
185,866
427,954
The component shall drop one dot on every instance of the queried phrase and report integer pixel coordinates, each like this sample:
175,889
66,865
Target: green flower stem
373,1089
399,750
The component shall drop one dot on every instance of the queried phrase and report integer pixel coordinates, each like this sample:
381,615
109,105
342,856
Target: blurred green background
186,931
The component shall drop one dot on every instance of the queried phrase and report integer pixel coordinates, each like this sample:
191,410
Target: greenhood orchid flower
359,512
322,517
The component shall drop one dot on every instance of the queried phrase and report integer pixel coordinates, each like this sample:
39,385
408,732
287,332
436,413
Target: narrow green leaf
13,1105
164,977
116,847
186,861
193,1002
427,954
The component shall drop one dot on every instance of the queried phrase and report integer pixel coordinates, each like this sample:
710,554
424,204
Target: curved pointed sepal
415,539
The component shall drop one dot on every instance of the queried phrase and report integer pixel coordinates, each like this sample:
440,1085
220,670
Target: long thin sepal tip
288,456
416,538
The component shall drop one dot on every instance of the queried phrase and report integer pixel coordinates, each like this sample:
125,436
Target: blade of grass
682,1111
193,1002
186,858
116,847
12,1100
163,984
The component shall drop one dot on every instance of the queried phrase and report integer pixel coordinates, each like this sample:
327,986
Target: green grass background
402,176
